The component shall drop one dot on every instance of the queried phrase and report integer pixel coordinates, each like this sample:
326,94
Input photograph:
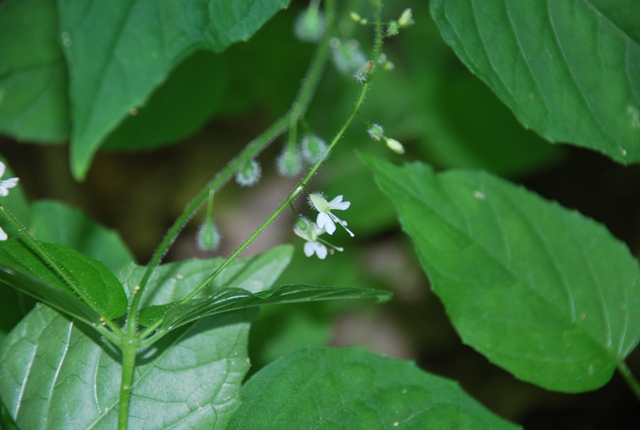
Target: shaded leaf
351,388
117,53
33,75
540,290
54,374
22,270
568,69
191,95
55,222
174,315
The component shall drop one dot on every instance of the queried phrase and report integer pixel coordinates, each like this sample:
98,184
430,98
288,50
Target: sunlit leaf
23,270
354,389
117,53
55,374
540,290
567,69
55,222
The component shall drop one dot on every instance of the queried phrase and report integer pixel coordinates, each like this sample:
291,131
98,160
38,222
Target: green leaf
55,222
178,107
567,69
117,53
33,76
21,269
351,388
542,291
57,374
174,315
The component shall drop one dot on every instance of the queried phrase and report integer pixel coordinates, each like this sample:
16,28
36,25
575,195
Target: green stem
35,247
129,352
629,379
298,109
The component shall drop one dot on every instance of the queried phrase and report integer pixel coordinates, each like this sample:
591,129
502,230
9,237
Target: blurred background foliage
213,104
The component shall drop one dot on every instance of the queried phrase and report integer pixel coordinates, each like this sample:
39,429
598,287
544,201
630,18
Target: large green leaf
354,389
567,69
33,78
540,290
55,374
118,52
55,222
23,270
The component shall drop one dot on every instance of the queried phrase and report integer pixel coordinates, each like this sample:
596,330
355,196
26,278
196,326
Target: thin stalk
629,379
298,109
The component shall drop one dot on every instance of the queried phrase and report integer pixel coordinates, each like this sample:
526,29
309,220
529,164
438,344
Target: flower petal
3,235
321,250
325,222
340,206
309,249
2,168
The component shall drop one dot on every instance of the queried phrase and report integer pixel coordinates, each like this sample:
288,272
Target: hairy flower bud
249,173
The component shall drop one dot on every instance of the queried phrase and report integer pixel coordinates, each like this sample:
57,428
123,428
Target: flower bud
393,28
347,56
406,19
310,25
355,17
208,236
289,162
376,131
313,148
249,173
394,145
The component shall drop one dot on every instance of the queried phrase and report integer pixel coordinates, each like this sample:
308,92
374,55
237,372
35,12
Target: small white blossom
3,235
326,219
310,234
7,183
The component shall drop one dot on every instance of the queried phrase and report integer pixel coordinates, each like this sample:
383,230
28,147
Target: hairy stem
129,351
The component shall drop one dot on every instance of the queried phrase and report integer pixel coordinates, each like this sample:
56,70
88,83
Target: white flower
310,234
7,183
326,219
3,235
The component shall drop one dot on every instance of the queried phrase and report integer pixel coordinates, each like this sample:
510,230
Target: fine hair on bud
248,174
376,131
208,237
289,162
313,148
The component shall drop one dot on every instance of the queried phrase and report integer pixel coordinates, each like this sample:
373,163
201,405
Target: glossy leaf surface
55,374
22,270
540,290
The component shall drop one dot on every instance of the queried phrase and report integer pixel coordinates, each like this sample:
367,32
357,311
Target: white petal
341,206
321,250
325,222
3,235
5,185
2,167
309,249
